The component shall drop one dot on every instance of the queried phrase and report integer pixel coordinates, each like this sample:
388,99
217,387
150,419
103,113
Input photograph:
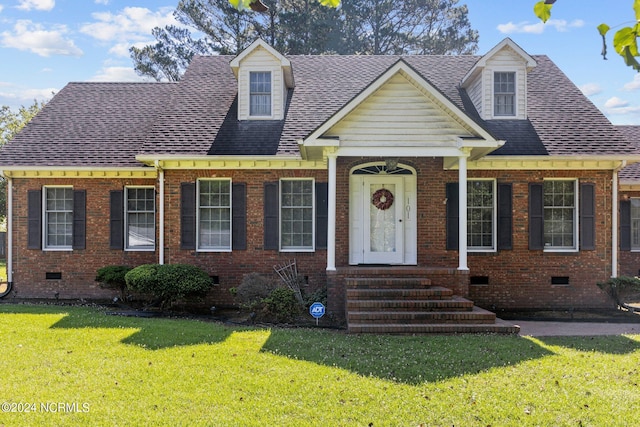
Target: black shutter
505,217
322,214
453,215
34,226
625,225
79,219
536,216
239,215
116,219
271,216
587,217
188,215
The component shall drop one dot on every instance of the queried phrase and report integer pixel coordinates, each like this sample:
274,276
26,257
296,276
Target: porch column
462,204
331,224
161,217
9,229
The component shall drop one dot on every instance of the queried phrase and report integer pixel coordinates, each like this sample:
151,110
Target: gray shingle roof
632,172
89,124
107,124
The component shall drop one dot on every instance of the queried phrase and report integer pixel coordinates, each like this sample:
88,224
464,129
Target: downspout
160,213
9,230
614,221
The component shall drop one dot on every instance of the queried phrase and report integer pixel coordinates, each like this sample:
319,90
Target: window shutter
239,215
79,219
322,214
536,216
188,215
453,215
116,219
34,219
505,217
625,225
587,217
271,216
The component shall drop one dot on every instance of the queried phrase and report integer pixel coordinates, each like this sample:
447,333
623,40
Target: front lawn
78,366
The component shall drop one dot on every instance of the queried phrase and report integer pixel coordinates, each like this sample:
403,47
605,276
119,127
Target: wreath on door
382,199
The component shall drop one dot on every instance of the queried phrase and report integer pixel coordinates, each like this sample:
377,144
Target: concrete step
499,327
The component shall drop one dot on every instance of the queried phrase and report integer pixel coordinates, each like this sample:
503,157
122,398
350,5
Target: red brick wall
518,278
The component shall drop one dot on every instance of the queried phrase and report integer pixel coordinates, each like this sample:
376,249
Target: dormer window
260,93
504,94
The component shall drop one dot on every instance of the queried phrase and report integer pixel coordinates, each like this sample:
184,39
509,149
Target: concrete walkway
547,329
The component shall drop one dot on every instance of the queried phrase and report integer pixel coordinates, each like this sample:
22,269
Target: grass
95,369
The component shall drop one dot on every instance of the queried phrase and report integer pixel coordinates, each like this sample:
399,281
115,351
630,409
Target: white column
614,225
331,224
9,230
462,204
161,217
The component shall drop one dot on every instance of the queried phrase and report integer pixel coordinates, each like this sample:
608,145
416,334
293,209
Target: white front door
383,229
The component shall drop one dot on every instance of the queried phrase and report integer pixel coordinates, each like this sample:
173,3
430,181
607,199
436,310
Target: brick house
492,176
630,210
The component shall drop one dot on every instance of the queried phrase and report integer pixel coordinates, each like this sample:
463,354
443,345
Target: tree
625,40
11,123
307,27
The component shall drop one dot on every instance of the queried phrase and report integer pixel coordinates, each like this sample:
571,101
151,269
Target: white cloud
615,102
559,25
35,38
590,89
37,4
1,7
118,74
130,24
14,96
633,85
105,2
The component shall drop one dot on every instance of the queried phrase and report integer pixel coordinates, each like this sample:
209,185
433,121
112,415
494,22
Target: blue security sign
317,310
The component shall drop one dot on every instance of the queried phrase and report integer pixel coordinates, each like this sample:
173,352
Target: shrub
168,282
282,304
319,295
113,276
253,290
622,289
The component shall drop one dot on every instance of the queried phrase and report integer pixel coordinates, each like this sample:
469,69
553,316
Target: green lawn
78,366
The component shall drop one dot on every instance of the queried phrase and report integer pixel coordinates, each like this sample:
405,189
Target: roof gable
278,58
397,82
507,45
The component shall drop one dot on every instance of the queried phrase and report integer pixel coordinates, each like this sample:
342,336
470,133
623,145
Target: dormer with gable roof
264,77
497,83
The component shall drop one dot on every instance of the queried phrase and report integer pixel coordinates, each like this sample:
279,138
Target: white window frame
199,247
311,248
494,218
249,93
45,222
495,94
127,246
576,216
635,224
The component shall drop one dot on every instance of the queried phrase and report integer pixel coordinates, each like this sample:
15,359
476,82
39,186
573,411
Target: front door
383,229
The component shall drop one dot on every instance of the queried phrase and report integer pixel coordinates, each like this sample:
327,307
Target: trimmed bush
253,290
169,282
113,276
283,305
622,289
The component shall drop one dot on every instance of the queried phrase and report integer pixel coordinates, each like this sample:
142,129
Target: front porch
408,300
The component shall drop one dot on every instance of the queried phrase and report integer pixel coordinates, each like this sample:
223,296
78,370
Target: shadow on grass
150,333
611,344
412,360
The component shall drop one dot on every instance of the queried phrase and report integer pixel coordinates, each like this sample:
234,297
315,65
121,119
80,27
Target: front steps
413,306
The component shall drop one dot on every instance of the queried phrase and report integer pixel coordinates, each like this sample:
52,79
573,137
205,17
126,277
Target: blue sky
45,44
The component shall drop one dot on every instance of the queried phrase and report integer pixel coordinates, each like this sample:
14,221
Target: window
58,217
140,218
635,223
214,215
260,93
480,215
560,222
504,92
296,214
